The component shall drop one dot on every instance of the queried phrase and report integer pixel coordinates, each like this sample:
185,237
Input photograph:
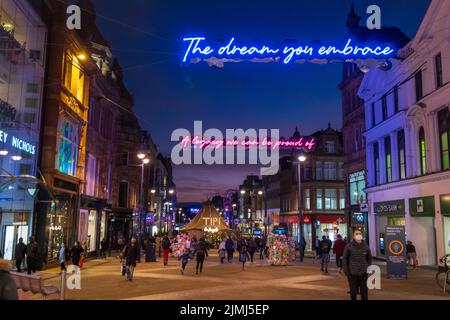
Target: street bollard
63,284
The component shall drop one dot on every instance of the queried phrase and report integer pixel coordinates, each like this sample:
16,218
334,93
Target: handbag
80,263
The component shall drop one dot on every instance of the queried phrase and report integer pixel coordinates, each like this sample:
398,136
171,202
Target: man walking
357,258
338,250
32,255
131,254
229,246
21,249
201,251
325,248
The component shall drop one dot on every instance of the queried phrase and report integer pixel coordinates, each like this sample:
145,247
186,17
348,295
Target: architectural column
394,156
382,160
410,151
433,143
370,165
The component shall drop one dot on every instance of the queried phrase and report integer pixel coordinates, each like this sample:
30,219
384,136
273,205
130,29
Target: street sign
364,207
396,252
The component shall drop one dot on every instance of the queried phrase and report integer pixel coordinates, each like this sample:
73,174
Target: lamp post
142,156
171,191
301,159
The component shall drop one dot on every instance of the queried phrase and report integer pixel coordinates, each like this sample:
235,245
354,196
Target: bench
34,284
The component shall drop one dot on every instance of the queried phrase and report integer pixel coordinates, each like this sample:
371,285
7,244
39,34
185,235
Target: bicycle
443,274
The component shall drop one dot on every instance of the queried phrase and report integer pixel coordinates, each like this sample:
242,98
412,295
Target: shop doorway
12,234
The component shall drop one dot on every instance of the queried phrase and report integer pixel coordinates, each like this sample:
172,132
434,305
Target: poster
395,241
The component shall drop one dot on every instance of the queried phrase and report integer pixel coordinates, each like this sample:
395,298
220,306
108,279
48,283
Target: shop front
330,226
421,229
388,213
92,223
445,211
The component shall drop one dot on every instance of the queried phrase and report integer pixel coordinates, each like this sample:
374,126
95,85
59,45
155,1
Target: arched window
422,150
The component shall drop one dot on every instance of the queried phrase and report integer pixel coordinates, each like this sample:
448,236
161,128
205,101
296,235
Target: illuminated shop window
74,78
357,182
67,147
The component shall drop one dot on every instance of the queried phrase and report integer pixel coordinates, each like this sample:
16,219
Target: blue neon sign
198,47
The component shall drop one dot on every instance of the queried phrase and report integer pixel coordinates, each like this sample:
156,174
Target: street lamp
301,159
142,156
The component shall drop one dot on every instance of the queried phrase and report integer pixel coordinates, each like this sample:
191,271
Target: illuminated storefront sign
198,47
17,143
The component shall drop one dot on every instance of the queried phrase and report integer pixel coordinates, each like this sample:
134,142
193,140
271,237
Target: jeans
183,265
358,283
19,264
339,261
324,259
230,255
130,272
252,253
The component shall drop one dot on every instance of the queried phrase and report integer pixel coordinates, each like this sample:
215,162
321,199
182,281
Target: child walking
184,259
243,255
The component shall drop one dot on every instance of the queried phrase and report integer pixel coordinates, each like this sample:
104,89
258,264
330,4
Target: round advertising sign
396,247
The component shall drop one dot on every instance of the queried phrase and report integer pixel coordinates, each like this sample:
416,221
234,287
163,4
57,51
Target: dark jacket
32,250
229,244
8,290
201,250
339,247
76,254
165,243
131,255
325,246
357,258
410,248
252,245
21,249
185,257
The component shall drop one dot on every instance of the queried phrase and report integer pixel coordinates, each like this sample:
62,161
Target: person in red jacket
338,250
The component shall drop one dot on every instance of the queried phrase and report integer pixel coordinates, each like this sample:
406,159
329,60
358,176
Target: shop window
74,78
67,147
331,199
341,199
357,181
376,162
319,171
444,133
387,148
32,88
419,85
423,152
307,199
31,102
438,70
319,203
401,154
330,170
384,107
123,194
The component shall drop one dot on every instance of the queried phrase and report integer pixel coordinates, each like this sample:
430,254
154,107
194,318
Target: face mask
358,238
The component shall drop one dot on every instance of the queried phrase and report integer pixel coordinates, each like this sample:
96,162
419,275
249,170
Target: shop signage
358,218
364,207
445,204
396,207
149,218
396,252
199,47
422,207
17,143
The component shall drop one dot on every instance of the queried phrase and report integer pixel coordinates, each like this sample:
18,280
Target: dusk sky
169,95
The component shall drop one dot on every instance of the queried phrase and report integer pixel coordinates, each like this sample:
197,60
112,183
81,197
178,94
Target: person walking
32,255
103,248
165,243
201,251
8,289
338,250
62,257
21,250
356,259
252,248
229,246
243,254
411,254
184,259
325,248
222,249
261,248
317,245
302,248
188,243
76,253
131,254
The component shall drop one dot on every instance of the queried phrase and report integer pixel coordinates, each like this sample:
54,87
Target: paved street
101,279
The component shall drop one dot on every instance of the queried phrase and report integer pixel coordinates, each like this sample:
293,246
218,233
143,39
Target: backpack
324,246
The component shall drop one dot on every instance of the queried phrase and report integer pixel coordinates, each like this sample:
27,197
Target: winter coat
243,254
252,245
222,245
32,250
325,246
338,247
8,289
131,254
229,245
201,250
76,254
165,243
21,249
410,248
357,258
62,254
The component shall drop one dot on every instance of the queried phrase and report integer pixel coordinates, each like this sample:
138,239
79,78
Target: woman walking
243,254
222,249
201,251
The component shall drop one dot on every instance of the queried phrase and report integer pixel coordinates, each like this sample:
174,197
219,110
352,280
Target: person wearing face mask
357,258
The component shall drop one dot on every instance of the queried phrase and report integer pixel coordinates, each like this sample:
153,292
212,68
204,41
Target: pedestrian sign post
395,240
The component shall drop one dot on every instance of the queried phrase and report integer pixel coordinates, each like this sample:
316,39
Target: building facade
22,67
407,136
